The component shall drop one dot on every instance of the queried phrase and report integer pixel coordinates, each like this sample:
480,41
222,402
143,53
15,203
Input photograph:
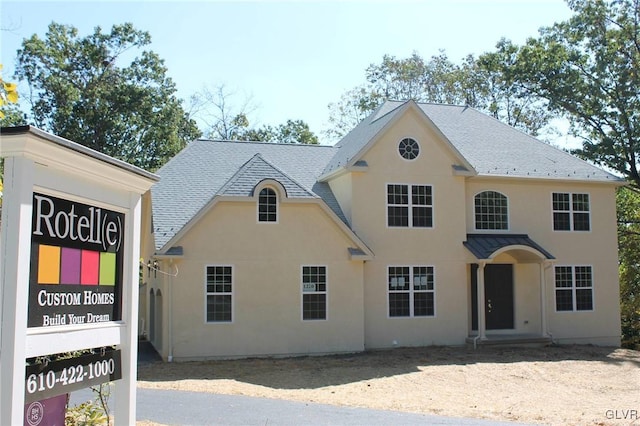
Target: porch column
543,299
481,322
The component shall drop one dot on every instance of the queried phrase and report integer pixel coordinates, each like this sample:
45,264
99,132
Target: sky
291,59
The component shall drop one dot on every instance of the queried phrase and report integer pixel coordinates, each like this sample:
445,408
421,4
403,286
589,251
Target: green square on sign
107,269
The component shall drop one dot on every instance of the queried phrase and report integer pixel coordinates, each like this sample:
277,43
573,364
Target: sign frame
36,161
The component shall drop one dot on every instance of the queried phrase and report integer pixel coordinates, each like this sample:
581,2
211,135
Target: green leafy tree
628,202
587,69
493,81
293,131
93,91
485,83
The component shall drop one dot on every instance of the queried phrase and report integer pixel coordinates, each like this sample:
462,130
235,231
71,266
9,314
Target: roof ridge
243,142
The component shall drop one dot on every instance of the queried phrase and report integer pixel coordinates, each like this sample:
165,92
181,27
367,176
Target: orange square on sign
48,264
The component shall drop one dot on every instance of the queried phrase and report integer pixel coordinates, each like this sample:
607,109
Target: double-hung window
574,288
411,291
409,206
314,292
267,205
571,212
219,286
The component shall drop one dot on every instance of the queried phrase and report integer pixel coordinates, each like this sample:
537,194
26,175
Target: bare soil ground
557,385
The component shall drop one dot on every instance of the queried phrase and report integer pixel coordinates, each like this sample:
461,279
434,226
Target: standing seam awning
483,246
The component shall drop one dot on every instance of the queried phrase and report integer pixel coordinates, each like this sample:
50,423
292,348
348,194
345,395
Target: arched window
267,205
492,211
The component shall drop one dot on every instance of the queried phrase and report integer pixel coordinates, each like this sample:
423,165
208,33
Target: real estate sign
69,268
76,263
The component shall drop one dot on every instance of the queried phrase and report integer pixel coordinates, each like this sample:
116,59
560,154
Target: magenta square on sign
70,266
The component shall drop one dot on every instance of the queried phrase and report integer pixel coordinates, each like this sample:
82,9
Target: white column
543,300
15,261
125,389
481,314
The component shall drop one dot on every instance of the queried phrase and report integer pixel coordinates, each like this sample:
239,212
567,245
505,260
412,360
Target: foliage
353,107
88,413
8,94
293,131
587,68
628,201
493,81
485,83
79,91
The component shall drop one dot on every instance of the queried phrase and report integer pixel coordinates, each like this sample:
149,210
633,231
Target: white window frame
475,217
325,293
412,291
409,206
571,212
573,289
231,293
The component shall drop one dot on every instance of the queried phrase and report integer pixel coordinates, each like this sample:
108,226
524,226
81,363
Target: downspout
170,356
544,265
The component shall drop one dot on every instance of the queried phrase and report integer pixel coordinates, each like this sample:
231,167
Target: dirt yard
554,385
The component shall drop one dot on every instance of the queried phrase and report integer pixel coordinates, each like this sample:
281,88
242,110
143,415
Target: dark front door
498,296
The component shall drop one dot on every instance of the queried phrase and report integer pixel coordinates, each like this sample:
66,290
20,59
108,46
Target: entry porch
508,290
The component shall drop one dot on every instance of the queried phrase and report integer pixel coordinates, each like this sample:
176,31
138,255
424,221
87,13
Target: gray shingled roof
208,168
490,146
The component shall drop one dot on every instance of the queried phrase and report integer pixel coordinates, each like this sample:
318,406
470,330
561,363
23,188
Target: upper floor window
574,288
218,291
411,291
410,205
408,148
267,205
571,212
314,292
492,211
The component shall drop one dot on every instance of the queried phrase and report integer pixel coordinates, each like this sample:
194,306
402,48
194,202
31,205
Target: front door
498,296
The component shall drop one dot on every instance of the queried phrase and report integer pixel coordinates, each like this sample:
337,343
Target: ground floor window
219,295
574,288
411,291
314,292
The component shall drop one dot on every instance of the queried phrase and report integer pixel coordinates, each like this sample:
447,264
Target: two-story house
425,225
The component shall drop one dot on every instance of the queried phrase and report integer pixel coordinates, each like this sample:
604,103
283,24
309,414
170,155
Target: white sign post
69,263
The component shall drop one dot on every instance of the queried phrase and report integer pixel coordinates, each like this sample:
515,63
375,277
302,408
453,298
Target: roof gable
206,169
484,145
256,170
356,143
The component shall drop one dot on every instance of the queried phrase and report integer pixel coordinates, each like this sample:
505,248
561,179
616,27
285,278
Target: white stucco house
425,225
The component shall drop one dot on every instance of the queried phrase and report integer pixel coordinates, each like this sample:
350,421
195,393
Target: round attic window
409,148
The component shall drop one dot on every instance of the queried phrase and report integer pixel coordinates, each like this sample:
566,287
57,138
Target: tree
628,203
82,89
225,121
221,117
492,79
485,83
353,106
587,69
